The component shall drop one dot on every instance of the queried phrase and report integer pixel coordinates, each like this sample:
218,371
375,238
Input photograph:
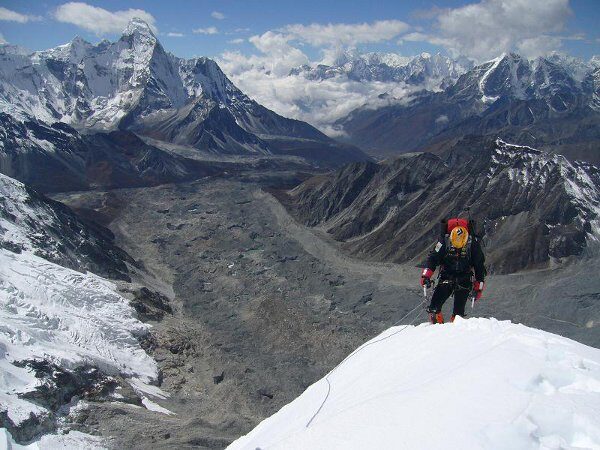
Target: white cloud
266,76
486,29
174,34
236,41
539,45
99,20
442,120
209,30
266,79
217,15
2,40
279,57
13,16
346,34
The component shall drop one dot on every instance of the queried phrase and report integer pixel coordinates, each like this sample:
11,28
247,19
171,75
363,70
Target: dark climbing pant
461,290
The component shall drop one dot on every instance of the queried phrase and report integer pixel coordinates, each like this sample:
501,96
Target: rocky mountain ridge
534,208
56,158
30,222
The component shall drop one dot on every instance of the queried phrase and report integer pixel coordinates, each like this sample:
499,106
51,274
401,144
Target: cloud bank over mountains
486,29
479,31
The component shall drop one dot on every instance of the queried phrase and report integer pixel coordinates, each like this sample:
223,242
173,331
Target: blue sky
226,25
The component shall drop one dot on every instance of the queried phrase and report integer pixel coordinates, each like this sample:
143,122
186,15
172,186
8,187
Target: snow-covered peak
10,49
390,59
97,86
557,79
424,69
73,52
472,384
576,67
138,26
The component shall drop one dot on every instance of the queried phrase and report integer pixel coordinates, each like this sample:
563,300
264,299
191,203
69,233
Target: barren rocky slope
534,208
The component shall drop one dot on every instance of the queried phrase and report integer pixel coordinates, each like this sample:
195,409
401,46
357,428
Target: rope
421,303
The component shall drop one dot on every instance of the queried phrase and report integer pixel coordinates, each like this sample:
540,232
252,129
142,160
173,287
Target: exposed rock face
47,157
57,388
546,103
134,84
30,221
531,205
55,158
150,305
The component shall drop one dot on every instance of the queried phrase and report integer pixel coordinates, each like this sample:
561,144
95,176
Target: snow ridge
425,69
514,387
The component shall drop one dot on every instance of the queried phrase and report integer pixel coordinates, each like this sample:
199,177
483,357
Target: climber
459,255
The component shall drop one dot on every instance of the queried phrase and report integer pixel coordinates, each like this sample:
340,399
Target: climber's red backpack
448,225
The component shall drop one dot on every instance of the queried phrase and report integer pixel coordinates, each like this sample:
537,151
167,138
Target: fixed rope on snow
421,303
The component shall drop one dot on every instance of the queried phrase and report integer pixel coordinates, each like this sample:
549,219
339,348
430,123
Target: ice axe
429,284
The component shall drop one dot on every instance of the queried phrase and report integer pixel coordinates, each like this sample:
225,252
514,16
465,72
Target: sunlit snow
473,384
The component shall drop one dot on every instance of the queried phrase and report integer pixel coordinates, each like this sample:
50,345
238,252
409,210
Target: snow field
66,317
72,441
474,384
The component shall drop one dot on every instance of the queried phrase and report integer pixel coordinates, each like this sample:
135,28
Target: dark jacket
458,263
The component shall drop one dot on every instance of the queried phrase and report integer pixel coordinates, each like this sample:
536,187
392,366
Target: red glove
426,277
478,288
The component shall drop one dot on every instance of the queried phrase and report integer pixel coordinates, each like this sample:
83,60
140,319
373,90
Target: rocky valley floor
263,307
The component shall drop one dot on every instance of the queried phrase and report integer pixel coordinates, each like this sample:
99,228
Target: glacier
51,313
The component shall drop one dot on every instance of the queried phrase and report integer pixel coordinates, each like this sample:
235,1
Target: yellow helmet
459,236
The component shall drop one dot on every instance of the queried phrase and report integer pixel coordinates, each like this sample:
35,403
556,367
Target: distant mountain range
532,207
134,85
426,70
551,103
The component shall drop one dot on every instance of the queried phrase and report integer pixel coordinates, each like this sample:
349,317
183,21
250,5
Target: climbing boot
436,317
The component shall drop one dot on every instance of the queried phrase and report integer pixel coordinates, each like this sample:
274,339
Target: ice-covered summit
101,86
474,384
138,26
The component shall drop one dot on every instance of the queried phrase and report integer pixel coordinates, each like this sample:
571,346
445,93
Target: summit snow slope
474,384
